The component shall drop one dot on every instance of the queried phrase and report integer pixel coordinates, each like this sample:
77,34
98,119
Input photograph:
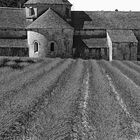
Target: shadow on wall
84,52
137,34
138,51
78,19
79,46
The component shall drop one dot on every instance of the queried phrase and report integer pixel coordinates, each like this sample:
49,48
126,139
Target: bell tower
35,8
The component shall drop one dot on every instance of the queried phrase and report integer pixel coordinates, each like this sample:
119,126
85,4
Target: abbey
49,28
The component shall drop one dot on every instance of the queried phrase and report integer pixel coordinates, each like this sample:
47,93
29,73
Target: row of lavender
69,99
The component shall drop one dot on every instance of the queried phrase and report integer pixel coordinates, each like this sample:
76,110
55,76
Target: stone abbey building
48,28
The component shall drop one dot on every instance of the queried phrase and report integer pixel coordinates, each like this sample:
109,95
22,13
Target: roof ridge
62,2
107,11
12,18
48,19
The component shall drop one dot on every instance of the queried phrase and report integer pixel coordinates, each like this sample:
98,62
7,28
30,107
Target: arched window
36,47
31,11
52,47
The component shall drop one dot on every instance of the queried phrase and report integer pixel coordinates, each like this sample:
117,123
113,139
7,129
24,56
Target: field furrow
8,66
4,70
14,89
13,75
53,116
137,62
22,81
63,105
128,90
132,65
105,114
129,72
29,95
66,99
82,127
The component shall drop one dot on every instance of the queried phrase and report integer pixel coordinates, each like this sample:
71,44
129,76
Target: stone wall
62,39
100,53
110,45
79,47
42,41
90,33
137,34
123,51
13,34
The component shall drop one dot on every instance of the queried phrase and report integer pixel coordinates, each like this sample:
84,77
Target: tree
12,3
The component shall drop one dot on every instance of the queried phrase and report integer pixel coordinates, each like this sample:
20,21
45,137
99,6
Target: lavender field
66,99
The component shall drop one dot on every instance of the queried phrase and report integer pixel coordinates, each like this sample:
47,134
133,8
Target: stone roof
49,20
14,18
96,42
106,20
122,36
14,43
62,2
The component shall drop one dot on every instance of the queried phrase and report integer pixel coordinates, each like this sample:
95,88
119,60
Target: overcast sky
106,5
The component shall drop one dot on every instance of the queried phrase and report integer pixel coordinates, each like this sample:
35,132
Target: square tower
35,8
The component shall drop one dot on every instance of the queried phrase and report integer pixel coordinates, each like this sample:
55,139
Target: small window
31,11
36,47
52,47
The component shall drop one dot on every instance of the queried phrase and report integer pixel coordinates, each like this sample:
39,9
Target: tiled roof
95,42
12,18
122,36
106,20
51,20
14,43
63,2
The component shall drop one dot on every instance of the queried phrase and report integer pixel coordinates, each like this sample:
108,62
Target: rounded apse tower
50,36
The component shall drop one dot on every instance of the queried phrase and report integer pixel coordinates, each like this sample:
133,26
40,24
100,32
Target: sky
106,5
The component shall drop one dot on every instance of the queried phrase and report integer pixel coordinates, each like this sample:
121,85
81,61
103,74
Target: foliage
12,3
